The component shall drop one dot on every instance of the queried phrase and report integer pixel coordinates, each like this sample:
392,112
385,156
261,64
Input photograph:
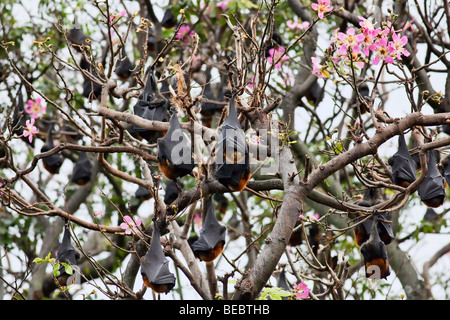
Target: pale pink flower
297,25
98,213
277,56
396,46
350,40
36,108
322,7
184,33
366,24
30,130
223,4
198,220
318,68
252,82
301,290
129,225
382,52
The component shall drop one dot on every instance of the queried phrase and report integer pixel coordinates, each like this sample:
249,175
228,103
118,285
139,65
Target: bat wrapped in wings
82,170
233,167
403,165
212,236
375,255
151,105
66,254
174,152
155,266
53,162
362,231
431,189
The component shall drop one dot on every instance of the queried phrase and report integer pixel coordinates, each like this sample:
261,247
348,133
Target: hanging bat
155,266
91,89
172,191
76,36
282,282
362,231
168,21
54,162
82,170
445,165
314,96
151,105
142,193
296,237
403,165
431,189
374,251
66,254
430,215
233,227
124,68
212,236
371,198
314,237
209,108
222,201
233,169
175,158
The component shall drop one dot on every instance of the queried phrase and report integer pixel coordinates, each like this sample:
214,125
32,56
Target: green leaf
38,260
56,272
67,267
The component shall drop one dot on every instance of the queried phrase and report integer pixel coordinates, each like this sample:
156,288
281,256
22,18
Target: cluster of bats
372,233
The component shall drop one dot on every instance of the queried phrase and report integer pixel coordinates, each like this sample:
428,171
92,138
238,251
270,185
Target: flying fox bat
403,165
54,162
82,170
430,215
233,168
155,266
151,105
374,251
174,152
124,68
371,198
297,235
142,193
172,191
168,21
66,254
91,89
445,165
212,236
76,36
362,231
431,189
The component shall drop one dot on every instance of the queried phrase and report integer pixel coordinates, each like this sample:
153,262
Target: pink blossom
252,82
184,33
223,4
318,68
277,56
30,130
396,46
382,52
129,225
301,290
297,25
35,108
366,24
322,7
198,220
98,213
350,40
